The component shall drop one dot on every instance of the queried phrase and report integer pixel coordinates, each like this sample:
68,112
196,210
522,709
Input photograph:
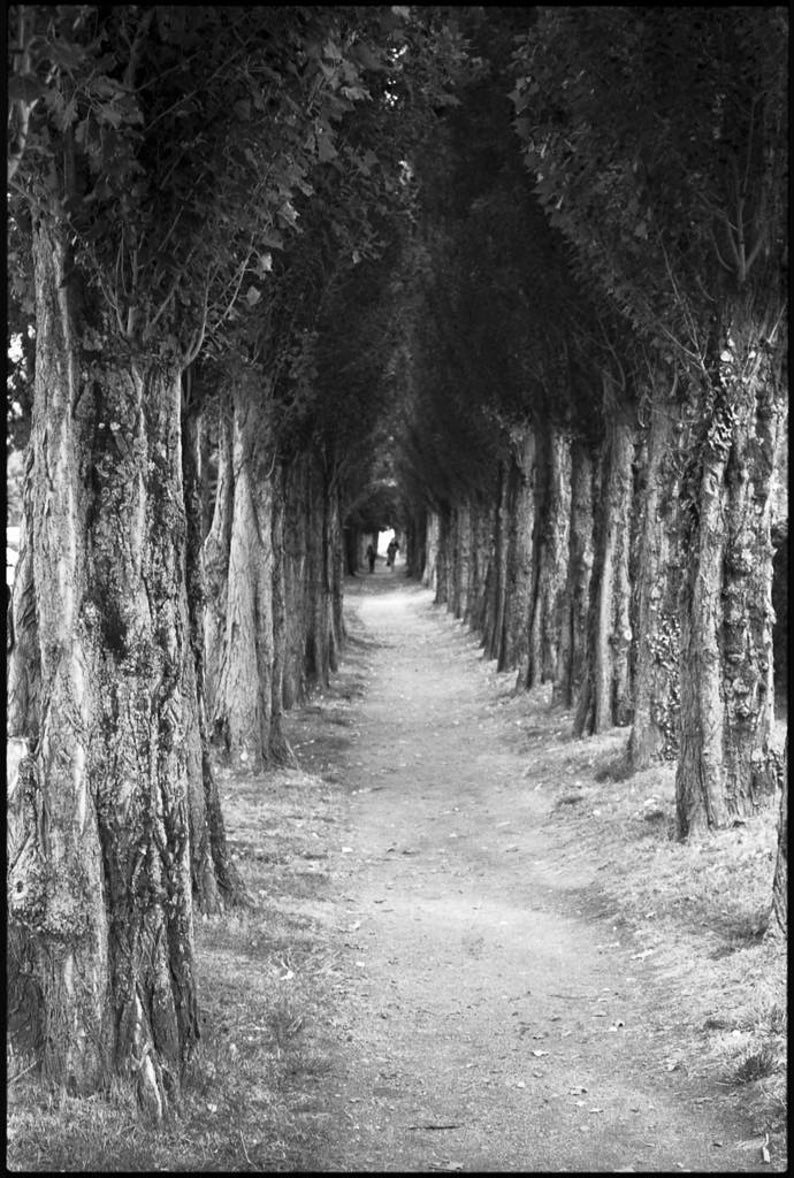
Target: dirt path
481,1023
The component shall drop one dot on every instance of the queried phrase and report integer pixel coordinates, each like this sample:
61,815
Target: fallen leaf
539,1053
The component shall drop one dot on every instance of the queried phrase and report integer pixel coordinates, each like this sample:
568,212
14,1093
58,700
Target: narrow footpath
483,1022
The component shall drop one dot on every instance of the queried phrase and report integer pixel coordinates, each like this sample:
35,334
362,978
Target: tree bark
216,881
518,515
430,573
442,558
216,559
606,694
780,882
280,752
549,543
654,733
100,878
726,769
297,492
576,593
497,570
242,696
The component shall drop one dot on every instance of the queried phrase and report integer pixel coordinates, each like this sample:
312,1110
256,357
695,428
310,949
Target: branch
196,346
720,258
135,51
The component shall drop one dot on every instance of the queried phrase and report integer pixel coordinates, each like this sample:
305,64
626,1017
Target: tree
155,153
657,139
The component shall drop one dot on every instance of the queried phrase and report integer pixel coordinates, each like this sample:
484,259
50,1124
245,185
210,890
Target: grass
252,1095
700,908
249,1095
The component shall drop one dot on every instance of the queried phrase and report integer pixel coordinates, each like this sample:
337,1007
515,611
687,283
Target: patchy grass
252,1097
699,910
249,1096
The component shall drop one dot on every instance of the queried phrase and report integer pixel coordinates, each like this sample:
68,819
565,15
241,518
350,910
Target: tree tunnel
508,281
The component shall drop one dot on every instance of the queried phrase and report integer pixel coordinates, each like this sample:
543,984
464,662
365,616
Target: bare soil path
487,1016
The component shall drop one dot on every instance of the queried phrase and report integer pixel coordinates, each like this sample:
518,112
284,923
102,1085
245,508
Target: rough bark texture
416,543
216,881
497,570
442,558
726,768
296,591
576,592
478,565
216,559
549,552
242,696
100,877
517,529
654,733
430,571
280,752
780,882
605,699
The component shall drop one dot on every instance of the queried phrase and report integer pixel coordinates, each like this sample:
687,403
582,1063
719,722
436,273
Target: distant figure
371,554
391,552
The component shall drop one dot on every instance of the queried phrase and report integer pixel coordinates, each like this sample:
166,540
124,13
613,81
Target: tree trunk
549,544
334,573
576,592
518,514
606,695
216,880
495,608
780,883
430,574
216,560
100,876
442,558
243,692
297,521
280,752
654,733
725,769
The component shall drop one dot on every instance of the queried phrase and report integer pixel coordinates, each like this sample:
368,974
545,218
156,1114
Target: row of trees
594,452
266,264
203,205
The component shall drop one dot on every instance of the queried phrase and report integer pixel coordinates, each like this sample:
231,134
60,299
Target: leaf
25,89
252,296
273,239
66,55
326,149
538,1053
110,114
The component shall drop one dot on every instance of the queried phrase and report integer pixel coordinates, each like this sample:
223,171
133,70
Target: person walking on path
371,555
391,552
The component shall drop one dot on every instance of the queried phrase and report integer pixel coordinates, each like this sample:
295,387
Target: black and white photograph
397,588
